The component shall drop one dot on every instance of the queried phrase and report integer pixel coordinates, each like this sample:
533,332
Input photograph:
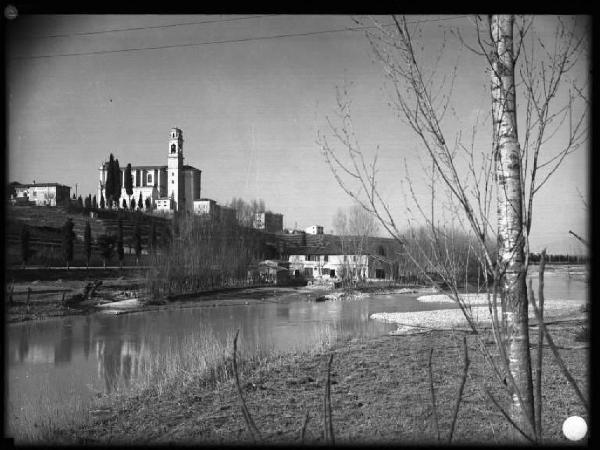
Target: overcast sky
250,108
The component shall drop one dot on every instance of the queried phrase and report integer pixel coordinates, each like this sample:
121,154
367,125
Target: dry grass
379,394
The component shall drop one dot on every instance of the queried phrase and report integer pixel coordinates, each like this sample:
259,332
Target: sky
251,101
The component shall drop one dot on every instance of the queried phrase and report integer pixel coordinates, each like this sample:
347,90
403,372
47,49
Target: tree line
107,244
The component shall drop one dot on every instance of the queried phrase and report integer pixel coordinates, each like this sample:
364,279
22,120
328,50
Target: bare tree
512,172
354,227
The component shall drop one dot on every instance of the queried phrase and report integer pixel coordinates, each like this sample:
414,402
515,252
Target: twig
435,417
579,238
247,417
467,362
329,436
504,413
559,360
538,376
303,432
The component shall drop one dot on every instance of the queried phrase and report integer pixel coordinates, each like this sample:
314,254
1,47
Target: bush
583,335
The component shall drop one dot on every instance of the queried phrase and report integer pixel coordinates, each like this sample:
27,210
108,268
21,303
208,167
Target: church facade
172,187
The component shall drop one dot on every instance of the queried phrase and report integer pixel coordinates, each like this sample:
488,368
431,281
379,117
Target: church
170,188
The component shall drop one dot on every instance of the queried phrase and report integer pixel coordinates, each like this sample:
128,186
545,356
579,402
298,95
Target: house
268,221
41,194
209,208
336,257
314,229
275,272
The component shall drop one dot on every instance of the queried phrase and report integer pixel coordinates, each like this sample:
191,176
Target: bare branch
461,387
436,426
254,433
558,358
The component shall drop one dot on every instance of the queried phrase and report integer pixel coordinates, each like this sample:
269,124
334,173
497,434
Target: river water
57,363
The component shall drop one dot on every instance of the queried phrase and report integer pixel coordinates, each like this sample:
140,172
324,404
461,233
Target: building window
326,258
381,250
150,178
172,148
172,181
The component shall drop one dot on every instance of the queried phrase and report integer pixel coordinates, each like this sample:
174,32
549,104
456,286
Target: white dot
574,428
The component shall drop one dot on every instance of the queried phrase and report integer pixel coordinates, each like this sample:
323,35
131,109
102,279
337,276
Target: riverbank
379,394
119,295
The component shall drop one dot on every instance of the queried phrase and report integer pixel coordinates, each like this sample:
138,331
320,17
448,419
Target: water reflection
82,356
118,355
64,346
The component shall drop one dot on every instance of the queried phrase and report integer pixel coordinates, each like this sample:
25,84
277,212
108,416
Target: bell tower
175,167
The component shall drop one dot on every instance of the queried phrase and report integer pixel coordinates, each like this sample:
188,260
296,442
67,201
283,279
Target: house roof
329,244
40,185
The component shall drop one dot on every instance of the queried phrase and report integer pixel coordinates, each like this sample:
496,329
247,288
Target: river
58,363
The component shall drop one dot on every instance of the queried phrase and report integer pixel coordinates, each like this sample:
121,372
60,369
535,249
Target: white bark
507,154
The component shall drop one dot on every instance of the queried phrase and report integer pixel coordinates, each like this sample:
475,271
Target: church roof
148,167
186,167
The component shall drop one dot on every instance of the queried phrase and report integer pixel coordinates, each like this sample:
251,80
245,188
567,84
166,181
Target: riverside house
334,257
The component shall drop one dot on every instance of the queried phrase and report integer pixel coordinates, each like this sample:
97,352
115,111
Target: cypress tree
87,242
140,202
137,237
25,244
102,202
120,250
128,182
147,203
106,243
124,204
132,204
118,182
94,203
109,184
68,240
153,236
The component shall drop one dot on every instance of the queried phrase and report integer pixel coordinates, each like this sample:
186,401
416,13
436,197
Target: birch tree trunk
507,154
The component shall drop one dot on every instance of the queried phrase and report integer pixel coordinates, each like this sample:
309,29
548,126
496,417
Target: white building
268,221
173,187
314,229
43,194
330,266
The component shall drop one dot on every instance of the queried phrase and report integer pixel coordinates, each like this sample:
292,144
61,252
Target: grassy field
379,394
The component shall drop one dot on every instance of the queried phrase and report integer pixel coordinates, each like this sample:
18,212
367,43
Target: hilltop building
210,208
268,221
41,194
172,187
314,229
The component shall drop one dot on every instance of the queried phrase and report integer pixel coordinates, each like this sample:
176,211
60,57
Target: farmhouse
330,256
42,194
